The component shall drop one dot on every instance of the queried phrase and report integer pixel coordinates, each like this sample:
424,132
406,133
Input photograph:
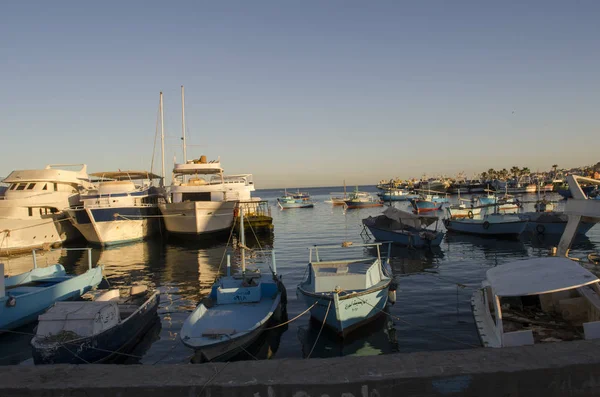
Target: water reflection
490,247
377,337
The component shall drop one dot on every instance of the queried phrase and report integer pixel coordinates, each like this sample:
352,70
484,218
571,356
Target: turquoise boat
237,310
27,295
345,294
295,200
397,195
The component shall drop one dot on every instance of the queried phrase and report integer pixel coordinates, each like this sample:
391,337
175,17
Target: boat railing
347,244
89,252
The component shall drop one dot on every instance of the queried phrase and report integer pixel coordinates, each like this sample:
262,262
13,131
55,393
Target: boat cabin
536,301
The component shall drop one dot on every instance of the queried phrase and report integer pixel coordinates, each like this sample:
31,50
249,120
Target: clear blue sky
303,93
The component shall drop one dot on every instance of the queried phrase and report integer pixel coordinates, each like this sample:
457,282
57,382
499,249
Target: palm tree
515,171
554,167
491,173
525,171
503,174
484,176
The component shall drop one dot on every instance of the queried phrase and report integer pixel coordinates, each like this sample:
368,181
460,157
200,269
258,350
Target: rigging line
212,377
319,334
155,138
294,319
225,250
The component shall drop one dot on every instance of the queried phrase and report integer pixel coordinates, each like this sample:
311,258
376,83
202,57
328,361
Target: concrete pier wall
558,369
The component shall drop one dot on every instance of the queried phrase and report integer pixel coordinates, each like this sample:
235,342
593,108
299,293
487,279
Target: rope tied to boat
320,330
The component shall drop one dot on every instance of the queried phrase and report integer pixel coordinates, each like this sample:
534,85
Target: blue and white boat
119,210
237,310
489,225
25,296
428,203
295,200
551,223
345,294
404,228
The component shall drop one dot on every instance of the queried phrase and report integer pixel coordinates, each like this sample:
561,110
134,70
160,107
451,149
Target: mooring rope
319,334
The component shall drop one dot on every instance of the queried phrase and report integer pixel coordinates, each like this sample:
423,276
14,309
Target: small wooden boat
488,225
347,293
25,296
295,200
422,205
465,208
94,331
404,228
237,310
362,200
535,301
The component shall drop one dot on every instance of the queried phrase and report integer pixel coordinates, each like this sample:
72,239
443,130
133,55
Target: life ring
470,214
236,212
540,228
486,225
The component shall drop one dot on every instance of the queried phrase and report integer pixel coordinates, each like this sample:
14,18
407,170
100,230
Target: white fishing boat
535,301
122,208
237,310
31,210
201,199
546,299
465,208
345,294
488,225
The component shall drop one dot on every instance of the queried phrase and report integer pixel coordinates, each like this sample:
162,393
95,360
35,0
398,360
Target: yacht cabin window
45,187
21,186
203,196
55,187
31,186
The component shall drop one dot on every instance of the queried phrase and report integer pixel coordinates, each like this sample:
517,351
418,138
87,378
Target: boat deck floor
36,285
546,327
231,319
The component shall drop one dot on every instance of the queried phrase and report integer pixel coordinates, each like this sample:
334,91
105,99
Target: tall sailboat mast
243,241
162,138
183,125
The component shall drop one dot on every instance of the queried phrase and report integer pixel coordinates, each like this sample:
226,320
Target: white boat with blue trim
123,208
345,294
237,310
25,296
489,225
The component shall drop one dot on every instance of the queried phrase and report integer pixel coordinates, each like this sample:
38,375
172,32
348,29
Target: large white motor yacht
202,199
31,210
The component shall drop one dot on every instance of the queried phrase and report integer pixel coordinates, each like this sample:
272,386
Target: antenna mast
183,125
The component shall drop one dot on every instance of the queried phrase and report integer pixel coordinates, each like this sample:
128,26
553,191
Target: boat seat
58,279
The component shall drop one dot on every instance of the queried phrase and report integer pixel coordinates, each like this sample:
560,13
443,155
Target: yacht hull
111,226
24,235
198,217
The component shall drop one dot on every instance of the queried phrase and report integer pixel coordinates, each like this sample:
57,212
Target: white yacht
201,199
31,210
122,208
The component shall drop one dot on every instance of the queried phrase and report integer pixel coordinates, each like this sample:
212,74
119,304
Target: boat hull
485,228
354,205
103,347
346,312
24,235
406,238
197,218
555,227
464,212
287,206
397,197
29,305
422,206
111,226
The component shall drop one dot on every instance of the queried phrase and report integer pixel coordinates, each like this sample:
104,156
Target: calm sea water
432,311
